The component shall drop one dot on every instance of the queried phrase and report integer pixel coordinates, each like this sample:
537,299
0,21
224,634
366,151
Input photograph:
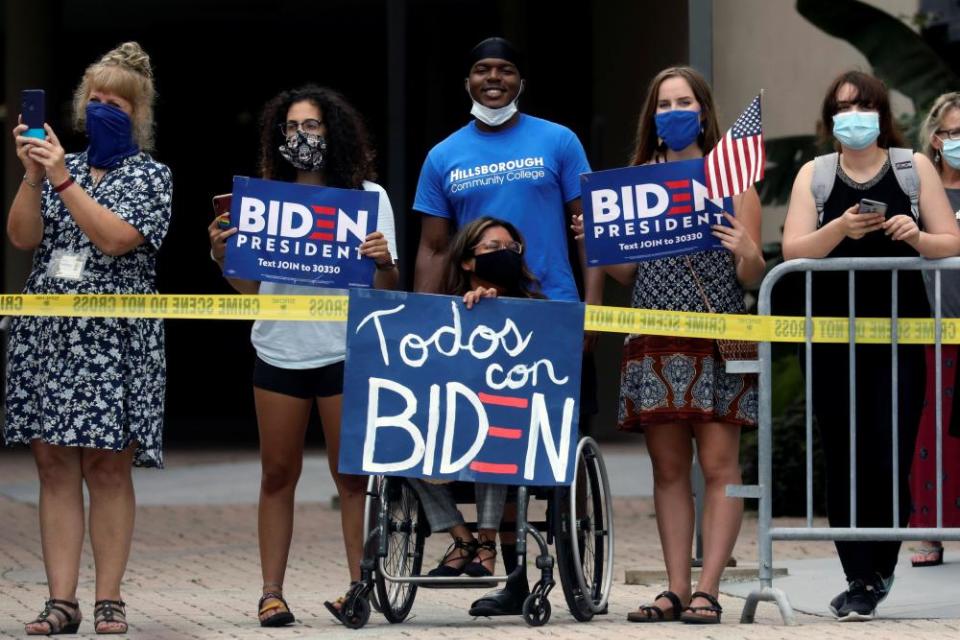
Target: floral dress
669,379
94,382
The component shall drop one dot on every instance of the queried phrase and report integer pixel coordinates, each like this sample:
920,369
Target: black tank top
873,289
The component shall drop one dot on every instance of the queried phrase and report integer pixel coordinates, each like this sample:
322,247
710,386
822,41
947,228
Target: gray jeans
441,508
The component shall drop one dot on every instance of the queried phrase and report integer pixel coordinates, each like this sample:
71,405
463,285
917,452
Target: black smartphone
221,208
32,111
873,206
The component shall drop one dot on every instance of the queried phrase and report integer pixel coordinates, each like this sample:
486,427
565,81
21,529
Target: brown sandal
653,613
273,601
711,612
60,616
107,612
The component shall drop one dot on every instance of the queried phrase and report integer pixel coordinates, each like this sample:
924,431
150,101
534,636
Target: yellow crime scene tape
597,318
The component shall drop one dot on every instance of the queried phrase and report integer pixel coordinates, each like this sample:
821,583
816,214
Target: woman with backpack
831,215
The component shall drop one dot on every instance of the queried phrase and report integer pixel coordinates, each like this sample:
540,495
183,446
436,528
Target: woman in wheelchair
485,261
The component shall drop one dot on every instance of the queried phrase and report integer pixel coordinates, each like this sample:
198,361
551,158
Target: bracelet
63,186
30,184
388,266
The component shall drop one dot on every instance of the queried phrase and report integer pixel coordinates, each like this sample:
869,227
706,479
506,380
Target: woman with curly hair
310,135
86,394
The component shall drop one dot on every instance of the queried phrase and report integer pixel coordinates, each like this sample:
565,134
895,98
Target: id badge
67,265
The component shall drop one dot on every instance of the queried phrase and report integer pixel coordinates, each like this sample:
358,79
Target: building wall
766,44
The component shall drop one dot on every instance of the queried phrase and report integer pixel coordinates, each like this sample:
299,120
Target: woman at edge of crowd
87,394
485,260
675,390
856,111
940,136
310,135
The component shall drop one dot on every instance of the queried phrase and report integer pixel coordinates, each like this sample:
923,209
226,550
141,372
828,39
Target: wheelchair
579,523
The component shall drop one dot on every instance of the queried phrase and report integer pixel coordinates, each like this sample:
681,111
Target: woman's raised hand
576,223
218,239
471,298
48,154
33,169
375,246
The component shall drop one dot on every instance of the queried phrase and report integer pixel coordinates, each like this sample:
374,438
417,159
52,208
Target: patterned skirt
664,379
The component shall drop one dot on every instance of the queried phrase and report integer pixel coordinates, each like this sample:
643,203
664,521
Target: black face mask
503,268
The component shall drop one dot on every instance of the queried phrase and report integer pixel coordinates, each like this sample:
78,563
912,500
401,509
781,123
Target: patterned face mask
305,151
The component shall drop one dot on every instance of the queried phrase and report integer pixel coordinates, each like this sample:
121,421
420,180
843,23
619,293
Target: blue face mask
951,153
856,129
111,136
678,128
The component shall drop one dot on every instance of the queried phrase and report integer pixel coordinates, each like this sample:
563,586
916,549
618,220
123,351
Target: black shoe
883,586
837,603
502,602
458,554
861,602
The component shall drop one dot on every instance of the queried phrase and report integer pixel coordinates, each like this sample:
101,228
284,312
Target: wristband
214,258
30,184
63,186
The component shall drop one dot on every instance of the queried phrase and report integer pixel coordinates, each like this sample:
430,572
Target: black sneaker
837,603
860,603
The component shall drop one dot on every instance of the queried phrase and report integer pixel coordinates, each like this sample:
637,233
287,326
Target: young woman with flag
911,217
675,390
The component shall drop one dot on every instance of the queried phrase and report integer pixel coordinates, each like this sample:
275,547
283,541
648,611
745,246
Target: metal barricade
766,532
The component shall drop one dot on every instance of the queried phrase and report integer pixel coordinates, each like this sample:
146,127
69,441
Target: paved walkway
194,570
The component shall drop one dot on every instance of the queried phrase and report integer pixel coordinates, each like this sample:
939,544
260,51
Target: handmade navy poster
300,234
435,390
649,211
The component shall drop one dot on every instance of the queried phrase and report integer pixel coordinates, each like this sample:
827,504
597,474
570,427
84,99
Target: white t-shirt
311,345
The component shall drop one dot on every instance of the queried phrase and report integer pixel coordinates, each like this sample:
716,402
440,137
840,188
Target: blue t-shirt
525,175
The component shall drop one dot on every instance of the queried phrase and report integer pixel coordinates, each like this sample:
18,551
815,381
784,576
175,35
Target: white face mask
494,117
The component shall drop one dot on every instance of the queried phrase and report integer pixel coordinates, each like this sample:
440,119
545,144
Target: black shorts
300,383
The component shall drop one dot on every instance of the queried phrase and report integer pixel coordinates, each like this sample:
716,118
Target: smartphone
872,206
221,208
32,111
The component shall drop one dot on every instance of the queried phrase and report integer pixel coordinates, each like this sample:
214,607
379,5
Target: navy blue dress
94,382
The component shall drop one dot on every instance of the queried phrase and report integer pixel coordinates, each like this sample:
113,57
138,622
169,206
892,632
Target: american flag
738,159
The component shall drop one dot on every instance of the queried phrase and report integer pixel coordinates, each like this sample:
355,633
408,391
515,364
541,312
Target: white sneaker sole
853,616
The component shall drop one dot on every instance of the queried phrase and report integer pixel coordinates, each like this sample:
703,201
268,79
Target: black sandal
476,569
693,617
57,616
107,611
467,550
335,607
653,613
283,615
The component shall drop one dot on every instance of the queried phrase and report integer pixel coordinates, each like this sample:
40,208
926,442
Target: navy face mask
678,128
111,136
502,268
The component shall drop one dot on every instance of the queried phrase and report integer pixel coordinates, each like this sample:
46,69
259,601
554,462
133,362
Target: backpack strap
907,177
824,175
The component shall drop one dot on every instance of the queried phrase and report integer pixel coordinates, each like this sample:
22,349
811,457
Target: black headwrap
495,48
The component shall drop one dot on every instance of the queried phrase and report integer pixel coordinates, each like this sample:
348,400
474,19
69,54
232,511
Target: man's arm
431,254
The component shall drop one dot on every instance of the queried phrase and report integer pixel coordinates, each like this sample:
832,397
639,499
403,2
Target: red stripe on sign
504,432
674,211
321,236
327,211
325,224
681,197
677,184
503,401
491,467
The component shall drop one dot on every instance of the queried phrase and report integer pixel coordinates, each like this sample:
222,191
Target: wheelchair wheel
400,511
583,530
371,511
